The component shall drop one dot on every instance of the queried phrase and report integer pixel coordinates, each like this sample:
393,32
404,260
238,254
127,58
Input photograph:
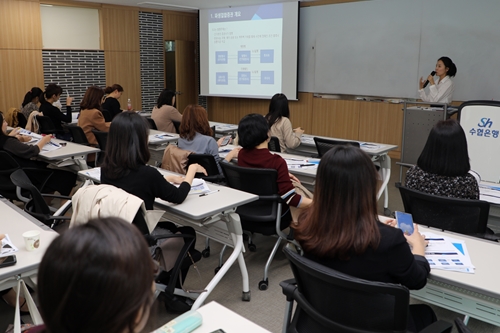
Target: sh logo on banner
484,129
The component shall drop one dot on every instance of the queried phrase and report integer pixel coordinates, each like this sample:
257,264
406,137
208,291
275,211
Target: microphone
427,81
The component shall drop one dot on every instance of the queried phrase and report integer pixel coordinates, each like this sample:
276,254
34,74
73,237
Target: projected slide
245,50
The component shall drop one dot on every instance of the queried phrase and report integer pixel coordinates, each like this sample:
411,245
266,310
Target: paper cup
32,240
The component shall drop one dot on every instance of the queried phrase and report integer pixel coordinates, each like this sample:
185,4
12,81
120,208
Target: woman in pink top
164,112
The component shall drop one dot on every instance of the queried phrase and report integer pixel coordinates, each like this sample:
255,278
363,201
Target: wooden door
185,72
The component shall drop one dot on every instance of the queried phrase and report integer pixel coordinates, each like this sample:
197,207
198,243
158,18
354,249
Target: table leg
385,167
234,227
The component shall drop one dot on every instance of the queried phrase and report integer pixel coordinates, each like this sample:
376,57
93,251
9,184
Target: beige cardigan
282,129
163,118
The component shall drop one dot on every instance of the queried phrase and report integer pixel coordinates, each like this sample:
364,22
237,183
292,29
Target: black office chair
78,135
36,206
330,301
213,131
264,216
177,124
274,144
152,123
461,328
463,216
324,145
102,140
7,188
107,115
21,120
208,162
45,124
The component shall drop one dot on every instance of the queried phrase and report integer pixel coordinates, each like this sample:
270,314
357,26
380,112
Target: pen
304,165
434,239
204,194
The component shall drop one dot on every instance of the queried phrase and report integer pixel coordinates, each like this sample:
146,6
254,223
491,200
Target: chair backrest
152,123
330,301
274,144
324,145
107,115
464,216
213,131
207,161
46,125
261,182
37,206
7,166
78,134
102,139
177,124
21,120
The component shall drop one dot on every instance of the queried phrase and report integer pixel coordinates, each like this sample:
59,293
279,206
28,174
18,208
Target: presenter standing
442,90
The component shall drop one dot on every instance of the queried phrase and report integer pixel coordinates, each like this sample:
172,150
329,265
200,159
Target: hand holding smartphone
405,222
226,140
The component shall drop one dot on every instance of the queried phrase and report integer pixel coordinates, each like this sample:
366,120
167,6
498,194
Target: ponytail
112,88
30,95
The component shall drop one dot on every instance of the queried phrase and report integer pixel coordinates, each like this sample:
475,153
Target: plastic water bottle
129,105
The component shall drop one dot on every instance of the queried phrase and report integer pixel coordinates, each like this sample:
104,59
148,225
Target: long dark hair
30,95
278,107
342,220
165,98
96,277
92,98
445,153
127,145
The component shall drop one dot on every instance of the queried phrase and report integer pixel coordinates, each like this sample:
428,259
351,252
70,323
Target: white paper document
153,138
198,186
296,163
447,253
8,248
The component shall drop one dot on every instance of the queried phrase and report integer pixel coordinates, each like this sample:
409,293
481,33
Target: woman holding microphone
442,90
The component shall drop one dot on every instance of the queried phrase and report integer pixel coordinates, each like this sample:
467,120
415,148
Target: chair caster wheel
252,247
217,269
387,212
205,253
246,296
263,284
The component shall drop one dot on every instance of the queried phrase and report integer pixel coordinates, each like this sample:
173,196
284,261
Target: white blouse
440,92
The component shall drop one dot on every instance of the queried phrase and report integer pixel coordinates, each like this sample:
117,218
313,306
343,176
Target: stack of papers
8,248
369,146
489,192
198,186
448,254
159,137
307,139
296,163
50,146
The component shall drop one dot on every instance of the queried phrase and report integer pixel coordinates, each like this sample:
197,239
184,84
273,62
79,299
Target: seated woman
196,134
97,277
61,181
31,100
280,125
253,133
341,229
52,94
111,106
91,117
443,166
164,112
125,166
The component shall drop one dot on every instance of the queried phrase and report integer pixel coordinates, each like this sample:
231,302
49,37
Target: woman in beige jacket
164,112
280,125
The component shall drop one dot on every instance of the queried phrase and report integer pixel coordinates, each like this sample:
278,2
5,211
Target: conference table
69,154
223,129
213,216
15,222
476,295
158,141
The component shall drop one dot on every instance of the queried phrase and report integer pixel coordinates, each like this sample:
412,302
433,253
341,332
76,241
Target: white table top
223,127
371,148
483,255
216,316
15,222
196,207
158,137
70,150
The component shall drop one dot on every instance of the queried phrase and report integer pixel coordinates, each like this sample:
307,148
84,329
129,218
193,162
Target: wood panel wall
20,51
120,40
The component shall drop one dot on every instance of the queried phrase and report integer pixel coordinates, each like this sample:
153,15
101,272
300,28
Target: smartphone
405,222
7,261
226,140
